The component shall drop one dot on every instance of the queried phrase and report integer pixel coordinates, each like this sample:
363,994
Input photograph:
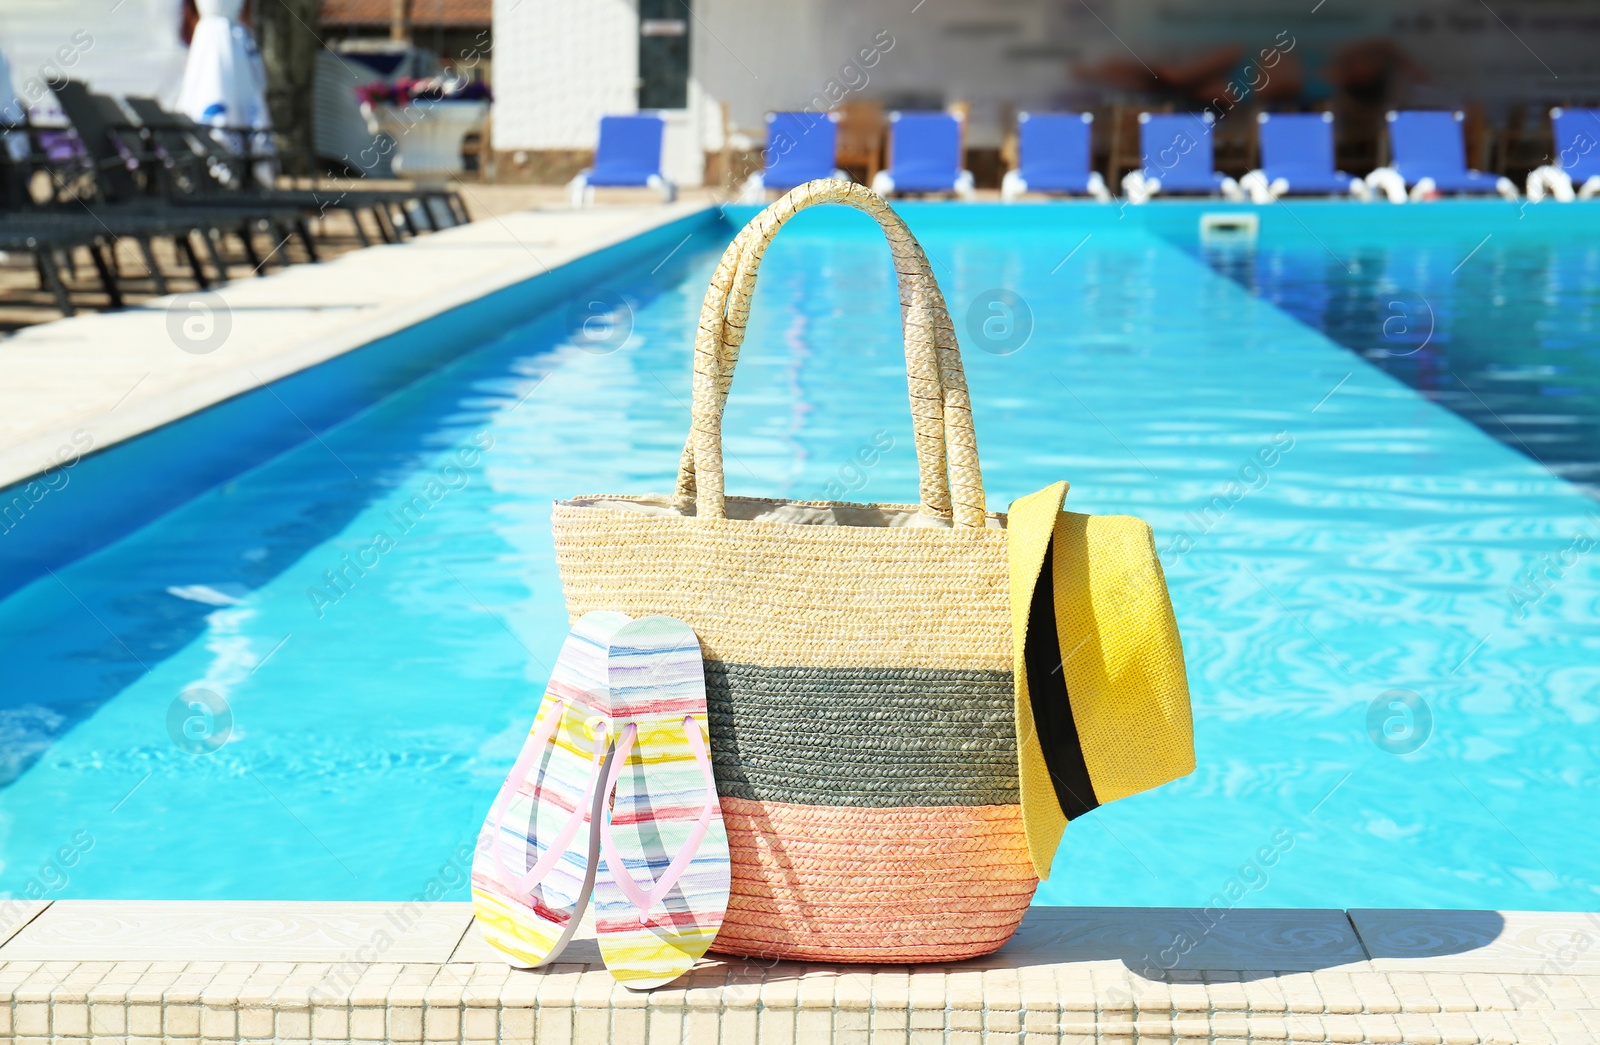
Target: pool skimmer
1232,227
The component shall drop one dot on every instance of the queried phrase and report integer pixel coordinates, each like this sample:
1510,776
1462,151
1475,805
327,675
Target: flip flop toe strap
680,863
523,883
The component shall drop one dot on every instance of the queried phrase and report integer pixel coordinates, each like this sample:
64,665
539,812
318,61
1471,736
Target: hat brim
1101,695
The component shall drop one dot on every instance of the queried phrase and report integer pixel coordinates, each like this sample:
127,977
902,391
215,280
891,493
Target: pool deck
112,375
193,972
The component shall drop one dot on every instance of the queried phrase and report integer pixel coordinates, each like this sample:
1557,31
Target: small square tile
69,1020
811,1025
330,1022
144,1020
629,1025
776,1025
740,1026
591,1026
478,1022
964,1019
517,1024
294,1024
181,1021
1418,1029
105,1019
368,1023
255,1023
218,1022
700,1025
666,1024
441,1023
816,989
405,1022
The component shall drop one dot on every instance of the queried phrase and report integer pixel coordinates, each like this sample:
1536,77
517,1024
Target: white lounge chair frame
1552,180
1014,186
581,194
1139,187
1392,184
1388,182
1261,190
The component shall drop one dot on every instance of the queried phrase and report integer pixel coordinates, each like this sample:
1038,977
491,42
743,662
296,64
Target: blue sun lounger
800,148
628,155
1297,160
1176,148
1053,156
1430,157
1575,173
924,156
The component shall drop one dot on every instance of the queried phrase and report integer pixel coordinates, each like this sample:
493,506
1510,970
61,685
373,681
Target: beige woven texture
810,881
782,594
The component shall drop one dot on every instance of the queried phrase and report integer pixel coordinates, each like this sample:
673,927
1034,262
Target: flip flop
661,889
535,861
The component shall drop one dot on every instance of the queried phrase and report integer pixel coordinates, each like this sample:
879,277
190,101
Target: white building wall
560,65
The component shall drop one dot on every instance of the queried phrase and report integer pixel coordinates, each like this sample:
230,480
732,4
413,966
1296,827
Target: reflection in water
1508,338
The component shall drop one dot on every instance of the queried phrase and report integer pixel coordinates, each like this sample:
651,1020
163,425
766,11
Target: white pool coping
180,971
98,379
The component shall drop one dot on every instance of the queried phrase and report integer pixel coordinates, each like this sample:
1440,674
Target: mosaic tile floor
109,971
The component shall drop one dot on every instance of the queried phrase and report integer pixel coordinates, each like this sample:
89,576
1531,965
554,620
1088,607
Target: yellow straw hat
1102,700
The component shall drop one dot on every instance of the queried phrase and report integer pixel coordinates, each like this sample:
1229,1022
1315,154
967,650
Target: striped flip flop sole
534,866
661,887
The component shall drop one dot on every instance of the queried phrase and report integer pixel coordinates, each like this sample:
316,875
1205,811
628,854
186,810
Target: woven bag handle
947,455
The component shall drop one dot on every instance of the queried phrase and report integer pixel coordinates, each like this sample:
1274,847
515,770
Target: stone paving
147,972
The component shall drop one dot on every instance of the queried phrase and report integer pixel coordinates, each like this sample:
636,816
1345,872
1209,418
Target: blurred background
714,67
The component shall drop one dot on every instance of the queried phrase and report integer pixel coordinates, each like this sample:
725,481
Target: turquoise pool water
370,713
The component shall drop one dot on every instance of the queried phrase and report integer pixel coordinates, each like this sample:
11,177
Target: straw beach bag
859,657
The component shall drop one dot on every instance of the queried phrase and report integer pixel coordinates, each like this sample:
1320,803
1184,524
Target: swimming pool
1339,604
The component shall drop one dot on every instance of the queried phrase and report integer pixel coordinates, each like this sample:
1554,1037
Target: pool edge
79,492
79,972
31,455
